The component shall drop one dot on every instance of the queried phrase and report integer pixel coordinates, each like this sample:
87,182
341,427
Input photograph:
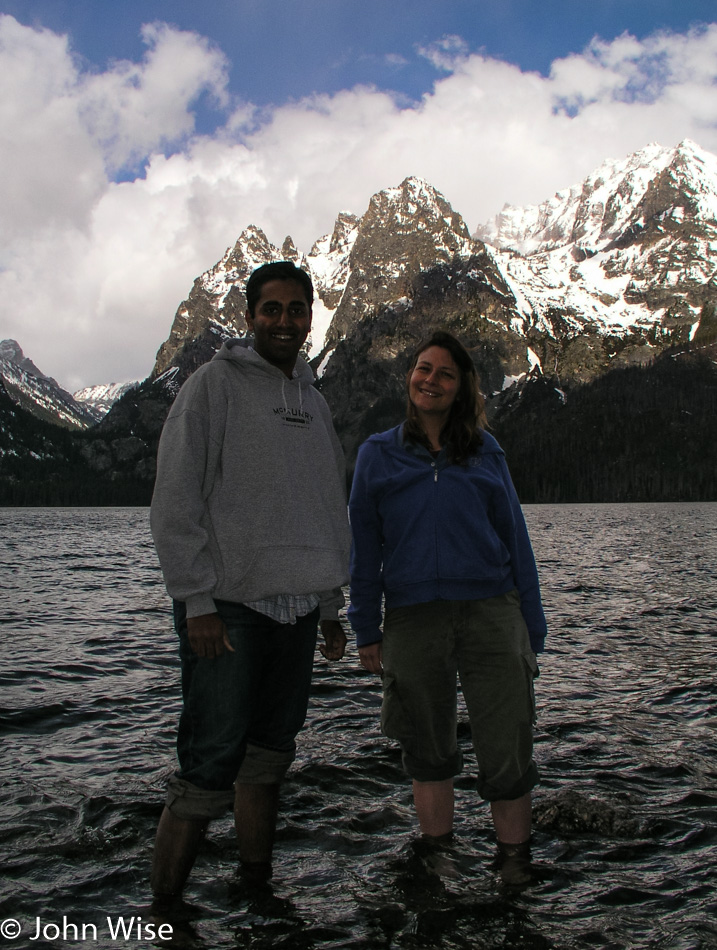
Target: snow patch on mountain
606,251
100,399
320,322
588,214
328,259
38,393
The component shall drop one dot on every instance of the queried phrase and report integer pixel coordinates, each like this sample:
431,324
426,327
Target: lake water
627,714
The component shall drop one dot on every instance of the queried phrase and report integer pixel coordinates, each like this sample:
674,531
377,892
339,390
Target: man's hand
208,635
335,638
371,657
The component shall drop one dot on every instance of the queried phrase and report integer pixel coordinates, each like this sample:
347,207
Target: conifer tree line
636,434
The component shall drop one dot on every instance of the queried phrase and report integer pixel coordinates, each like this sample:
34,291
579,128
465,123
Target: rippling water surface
626,830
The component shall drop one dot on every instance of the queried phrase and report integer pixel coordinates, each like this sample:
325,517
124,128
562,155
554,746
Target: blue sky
284,49
139,137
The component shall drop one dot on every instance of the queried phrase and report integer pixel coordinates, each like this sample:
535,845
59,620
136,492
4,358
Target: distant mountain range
42,396
614,274
625,259
100,399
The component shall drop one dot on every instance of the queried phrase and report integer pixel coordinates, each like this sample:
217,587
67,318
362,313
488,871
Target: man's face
281,323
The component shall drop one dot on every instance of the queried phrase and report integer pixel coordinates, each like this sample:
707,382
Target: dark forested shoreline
635,434
638,434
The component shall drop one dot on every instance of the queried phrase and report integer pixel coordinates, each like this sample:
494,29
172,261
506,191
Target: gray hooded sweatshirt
250,498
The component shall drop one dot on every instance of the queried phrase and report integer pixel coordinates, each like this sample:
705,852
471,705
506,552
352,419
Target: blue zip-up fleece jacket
424,530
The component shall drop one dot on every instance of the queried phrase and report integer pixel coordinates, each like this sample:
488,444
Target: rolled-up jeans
242,710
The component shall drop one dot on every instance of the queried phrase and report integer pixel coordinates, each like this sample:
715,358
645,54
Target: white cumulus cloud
136,107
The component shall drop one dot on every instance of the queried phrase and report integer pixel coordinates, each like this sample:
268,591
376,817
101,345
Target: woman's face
434,382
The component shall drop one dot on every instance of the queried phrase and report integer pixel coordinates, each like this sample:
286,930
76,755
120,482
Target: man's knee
260,767
265,766
187,801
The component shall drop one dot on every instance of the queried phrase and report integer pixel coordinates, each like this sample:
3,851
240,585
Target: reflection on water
627,698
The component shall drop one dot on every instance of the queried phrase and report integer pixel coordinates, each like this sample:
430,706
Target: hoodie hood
241,351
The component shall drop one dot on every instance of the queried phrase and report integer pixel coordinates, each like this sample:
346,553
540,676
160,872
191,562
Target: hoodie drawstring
283,395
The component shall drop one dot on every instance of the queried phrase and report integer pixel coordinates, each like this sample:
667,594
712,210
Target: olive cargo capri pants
426,648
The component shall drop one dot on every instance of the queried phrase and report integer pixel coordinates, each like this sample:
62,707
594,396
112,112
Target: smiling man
280,322
249,520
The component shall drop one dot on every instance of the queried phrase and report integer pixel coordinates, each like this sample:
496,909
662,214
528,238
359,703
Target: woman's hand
371,658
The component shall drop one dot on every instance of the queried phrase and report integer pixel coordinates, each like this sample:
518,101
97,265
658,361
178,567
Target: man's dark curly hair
276,270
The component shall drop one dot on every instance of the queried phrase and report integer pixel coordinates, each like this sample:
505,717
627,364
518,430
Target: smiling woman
445,406
432,389
441,555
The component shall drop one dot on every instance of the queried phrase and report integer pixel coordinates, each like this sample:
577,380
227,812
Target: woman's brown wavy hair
462,432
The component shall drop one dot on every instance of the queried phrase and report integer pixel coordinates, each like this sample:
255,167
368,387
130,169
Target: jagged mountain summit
365,263
606,274
404,231
608,271
628,252
214,310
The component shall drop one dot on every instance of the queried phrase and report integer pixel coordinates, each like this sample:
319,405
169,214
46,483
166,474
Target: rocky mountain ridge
606,275
609,271
365,263
43,396
39,394
629,252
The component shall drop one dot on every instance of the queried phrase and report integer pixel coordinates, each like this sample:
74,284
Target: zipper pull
435,471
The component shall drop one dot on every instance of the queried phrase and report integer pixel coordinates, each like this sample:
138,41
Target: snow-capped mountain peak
416,206
404,230
626,255
587,213
604,206
100,399
632,246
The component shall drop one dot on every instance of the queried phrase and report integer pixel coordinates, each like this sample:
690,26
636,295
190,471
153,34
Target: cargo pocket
395,721
533,672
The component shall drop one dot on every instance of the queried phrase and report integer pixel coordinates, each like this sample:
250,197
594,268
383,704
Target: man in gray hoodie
250,525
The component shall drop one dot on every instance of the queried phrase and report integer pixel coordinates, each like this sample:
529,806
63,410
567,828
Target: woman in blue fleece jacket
439,537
